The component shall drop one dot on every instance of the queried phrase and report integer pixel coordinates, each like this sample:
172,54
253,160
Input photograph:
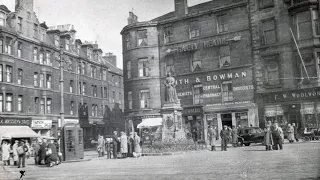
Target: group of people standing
47,152
17,152
227,135
123,145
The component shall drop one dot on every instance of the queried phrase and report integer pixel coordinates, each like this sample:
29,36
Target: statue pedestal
172,121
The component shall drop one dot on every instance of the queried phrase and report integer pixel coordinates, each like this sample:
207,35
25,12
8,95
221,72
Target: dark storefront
193,121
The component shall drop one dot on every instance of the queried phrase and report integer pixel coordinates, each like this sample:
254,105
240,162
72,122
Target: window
269,34
196,61
56,40
101,91
42,37
119,100
89,53
105,91
20,75
35,54
70,65
168,35
9,104
9,73
35,79
94,90
224,56
20,24
94,110
8,47
67,44
35,30
49,102
113,96
83,68
36,105
84,88
142,38
80,88
1,46
42,107
1,72
49,81
309,62
78,49
19,49
197,94
129,69
304,24
272,71
143,67
130,99
41,80
315,18
104,76
128,41
79,68
223,23
144,99
48,58
20,98
266,3
41,59
194,30
72,108
1,102
2,19
93,72
227,92
71,86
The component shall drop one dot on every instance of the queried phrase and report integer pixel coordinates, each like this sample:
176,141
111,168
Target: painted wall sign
6,121
41,124
292,95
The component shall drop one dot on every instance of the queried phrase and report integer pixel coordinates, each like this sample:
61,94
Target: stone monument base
172,121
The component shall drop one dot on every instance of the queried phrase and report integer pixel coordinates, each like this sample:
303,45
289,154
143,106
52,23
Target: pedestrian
52,155
22,150
36,148
15,152
137,148
212,138
268,141
5,147
290,133
42,151
130,145
100,145
224,134
59,155
240,129
277,135
295,132
115,140
108,148
28,153
124,144
234,135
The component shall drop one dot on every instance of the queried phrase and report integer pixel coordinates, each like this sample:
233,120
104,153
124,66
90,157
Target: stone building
30,76
207,48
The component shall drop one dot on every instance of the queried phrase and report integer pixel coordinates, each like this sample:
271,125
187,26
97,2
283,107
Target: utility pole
60,60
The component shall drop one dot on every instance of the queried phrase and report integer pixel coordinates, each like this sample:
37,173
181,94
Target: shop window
35,55
71,86
9,103
49,103
168,35
49,81
1,102
144,99
142,38
72,108
143,67
269,32
1,72
197,94
227,91
170,65
20,49
2,19
20,100
242,119
129,69
196,61
35,79
128,44
9,71
224,56
222,23
130,99
194,30
304,27
266,3
20,75
272,71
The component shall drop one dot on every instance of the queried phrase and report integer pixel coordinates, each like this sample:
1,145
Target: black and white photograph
159,89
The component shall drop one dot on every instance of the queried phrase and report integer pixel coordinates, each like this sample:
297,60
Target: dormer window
56,40
2,19
67,46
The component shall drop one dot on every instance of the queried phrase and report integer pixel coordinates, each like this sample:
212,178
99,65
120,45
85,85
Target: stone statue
171,94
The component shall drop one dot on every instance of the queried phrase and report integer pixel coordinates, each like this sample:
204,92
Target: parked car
250,135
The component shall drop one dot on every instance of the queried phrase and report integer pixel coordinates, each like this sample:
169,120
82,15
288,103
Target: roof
4,8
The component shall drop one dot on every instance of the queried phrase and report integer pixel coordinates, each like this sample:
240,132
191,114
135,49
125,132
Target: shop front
301,106
193,122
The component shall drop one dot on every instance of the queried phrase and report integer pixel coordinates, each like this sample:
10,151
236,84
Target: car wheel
247,144
240,142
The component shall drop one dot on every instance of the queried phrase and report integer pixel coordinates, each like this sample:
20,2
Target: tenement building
30,77
207,49
287,84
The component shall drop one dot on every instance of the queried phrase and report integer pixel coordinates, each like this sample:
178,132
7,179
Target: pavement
296,161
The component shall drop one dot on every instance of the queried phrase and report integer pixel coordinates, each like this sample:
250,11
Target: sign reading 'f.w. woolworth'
292,95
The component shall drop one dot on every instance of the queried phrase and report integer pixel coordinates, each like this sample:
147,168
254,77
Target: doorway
226,119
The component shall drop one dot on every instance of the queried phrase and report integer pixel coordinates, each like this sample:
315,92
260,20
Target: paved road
296,161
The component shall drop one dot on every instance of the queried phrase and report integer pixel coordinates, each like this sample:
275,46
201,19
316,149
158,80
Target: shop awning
17,132
150,122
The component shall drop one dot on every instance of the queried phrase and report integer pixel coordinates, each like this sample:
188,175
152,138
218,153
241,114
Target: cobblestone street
296,161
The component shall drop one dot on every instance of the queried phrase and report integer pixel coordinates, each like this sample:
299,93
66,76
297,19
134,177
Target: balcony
298,4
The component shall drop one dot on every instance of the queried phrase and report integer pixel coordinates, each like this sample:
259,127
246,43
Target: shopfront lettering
205,44
192,111
230,103
208,95
293,95
41,124
207,88
243,88
180,94
15,122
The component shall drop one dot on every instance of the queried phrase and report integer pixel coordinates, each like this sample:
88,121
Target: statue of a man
171,94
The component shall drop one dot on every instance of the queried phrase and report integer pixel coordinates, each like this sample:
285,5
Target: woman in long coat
212,138
234,135
5,153
15,152
137,148
268,140
290,133
124,144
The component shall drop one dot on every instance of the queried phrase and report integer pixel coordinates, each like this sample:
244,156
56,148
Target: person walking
22,150
28,154
290,133
124,144
137,148
212,138
277,135
42,151
100,145
36,148
234,135
224,134
59,155
295,132
52,155
15,152
5,147
115,140
268,141
130,145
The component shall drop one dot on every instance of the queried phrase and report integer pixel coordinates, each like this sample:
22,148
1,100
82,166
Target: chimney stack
132,18
180,7
25,4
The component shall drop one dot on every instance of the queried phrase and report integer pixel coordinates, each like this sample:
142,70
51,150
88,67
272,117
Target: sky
99,20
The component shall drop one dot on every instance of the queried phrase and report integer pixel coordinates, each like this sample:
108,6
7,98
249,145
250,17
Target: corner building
207,48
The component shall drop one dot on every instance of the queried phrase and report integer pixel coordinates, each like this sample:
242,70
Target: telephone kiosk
72,142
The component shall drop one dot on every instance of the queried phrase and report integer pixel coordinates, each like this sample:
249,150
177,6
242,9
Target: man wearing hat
224,134
22,150
115,140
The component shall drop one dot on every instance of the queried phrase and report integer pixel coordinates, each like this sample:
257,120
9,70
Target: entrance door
226,119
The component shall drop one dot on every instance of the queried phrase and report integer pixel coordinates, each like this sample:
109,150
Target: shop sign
41,124
292,95
72,121
8,121
191,111
230,103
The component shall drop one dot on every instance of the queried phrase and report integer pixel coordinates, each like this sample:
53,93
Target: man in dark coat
115,140
53,156
130,145
224,134
295,132
42,151
56,143
36,148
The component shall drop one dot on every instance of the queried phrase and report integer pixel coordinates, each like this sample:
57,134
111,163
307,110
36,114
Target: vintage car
250,135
